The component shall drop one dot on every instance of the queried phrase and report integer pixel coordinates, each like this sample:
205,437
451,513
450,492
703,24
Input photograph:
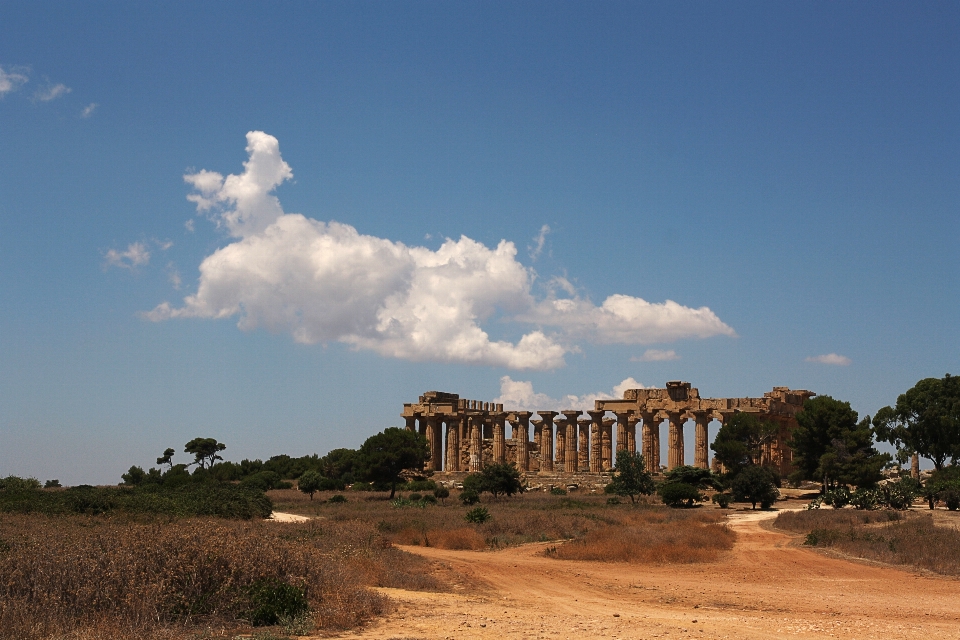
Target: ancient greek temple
464,435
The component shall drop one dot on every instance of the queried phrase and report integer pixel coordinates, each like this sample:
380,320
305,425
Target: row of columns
581,444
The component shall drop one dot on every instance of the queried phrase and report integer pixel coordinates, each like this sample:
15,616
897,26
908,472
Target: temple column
606,440
915,466
570,441
521,432
646,441
432,444
655,441
622,430
453,445
411,422
538,440
596,441
476,452
632,420
675,444
560,446
700,455
583,454
546,440
499,447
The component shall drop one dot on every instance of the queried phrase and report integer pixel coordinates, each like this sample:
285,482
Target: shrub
613,501
14,483
678,494
441,493
900,494
469,496
755,484
337,499
51,484
722,499
477,515
272,599
418,485
413,497
866,499
838,497
558,491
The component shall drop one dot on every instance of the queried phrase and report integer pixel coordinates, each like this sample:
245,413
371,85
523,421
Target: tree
679,494
496,479
755,484
167,457
830,445
631,478
740,441
309,482
925,420
383,456
205,451
693,476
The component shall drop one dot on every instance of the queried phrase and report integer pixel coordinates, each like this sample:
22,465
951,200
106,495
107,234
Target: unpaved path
767,586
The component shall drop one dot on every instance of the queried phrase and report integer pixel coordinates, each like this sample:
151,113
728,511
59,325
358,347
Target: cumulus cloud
325,281
656,355
830,358
11,79
518,395
88,110
189,225
135,256
537,247
51,92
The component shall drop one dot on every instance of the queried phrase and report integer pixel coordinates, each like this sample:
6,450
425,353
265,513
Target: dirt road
766,587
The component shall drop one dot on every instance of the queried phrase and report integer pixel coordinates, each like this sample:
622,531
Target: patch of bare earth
766,586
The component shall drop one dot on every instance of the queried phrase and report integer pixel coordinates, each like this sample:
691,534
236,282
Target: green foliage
205,451
167,457
613,501
383,456
418,485
441,493
15,483
477,515
925,420
694,476
415,496
864,499
722,499
755,484
631,477
52,484
309,483
337,498
469,496
271,600
500,479
265,480
740,440
679,494
558,491
838,497
194,499
900,494
830,445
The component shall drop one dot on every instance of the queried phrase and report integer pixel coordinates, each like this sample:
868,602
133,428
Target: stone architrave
570,441
606,455
596,441
453,445
583,454
675,444
700,454
546,442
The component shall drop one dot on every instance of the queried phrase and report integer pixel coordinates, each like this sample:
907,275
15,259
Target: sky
273,224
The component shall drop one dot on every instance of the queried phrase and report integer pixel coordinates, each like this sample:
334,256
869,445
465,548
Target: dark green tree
631,477
167,457
829,445
383,456
740,440
679,494
693,476
755,484
925,420
309,482
499,479
205,451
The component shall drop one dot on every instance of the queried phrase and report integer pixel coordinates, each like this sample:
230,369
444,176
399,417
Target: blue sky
794,169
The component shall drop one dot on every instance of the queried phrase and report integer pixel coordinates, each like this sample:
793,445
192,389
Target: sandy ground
767,586
279,516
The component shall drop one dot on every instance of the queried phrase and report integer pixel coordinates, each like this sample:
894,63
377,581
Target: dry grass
73,575
655,536
908,539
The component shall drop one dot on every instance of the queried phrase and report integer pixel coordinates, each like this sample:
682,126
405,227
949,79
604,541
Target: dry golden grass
69,575
653,537
901,538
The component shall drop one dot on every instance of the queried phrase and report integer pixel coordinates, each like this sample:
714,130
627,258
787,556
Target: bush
272,599
866,499
441,493
722,499
418,485
469,496
558,491
755,484
900,494
51,484
613,501
413,497
338,498
477,515
678,494
14,483
839,497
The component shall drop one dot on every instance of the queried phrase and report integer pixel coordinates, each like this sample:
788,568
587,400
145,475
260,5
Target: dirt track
766,587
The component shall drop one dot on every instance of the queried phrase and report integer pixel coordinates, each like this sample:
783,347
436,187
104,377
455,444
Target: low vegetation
901,538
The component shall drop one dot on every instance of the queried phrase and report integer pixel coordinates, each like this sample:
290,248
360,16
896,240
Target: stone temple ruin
464,435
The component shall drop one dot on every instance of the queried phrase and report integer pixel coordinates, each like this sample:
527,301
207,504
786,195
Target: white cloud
656,355
51,92
88,110
830,358
325,281
135,255
537,247
518,395
11,80
174,276
189,225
